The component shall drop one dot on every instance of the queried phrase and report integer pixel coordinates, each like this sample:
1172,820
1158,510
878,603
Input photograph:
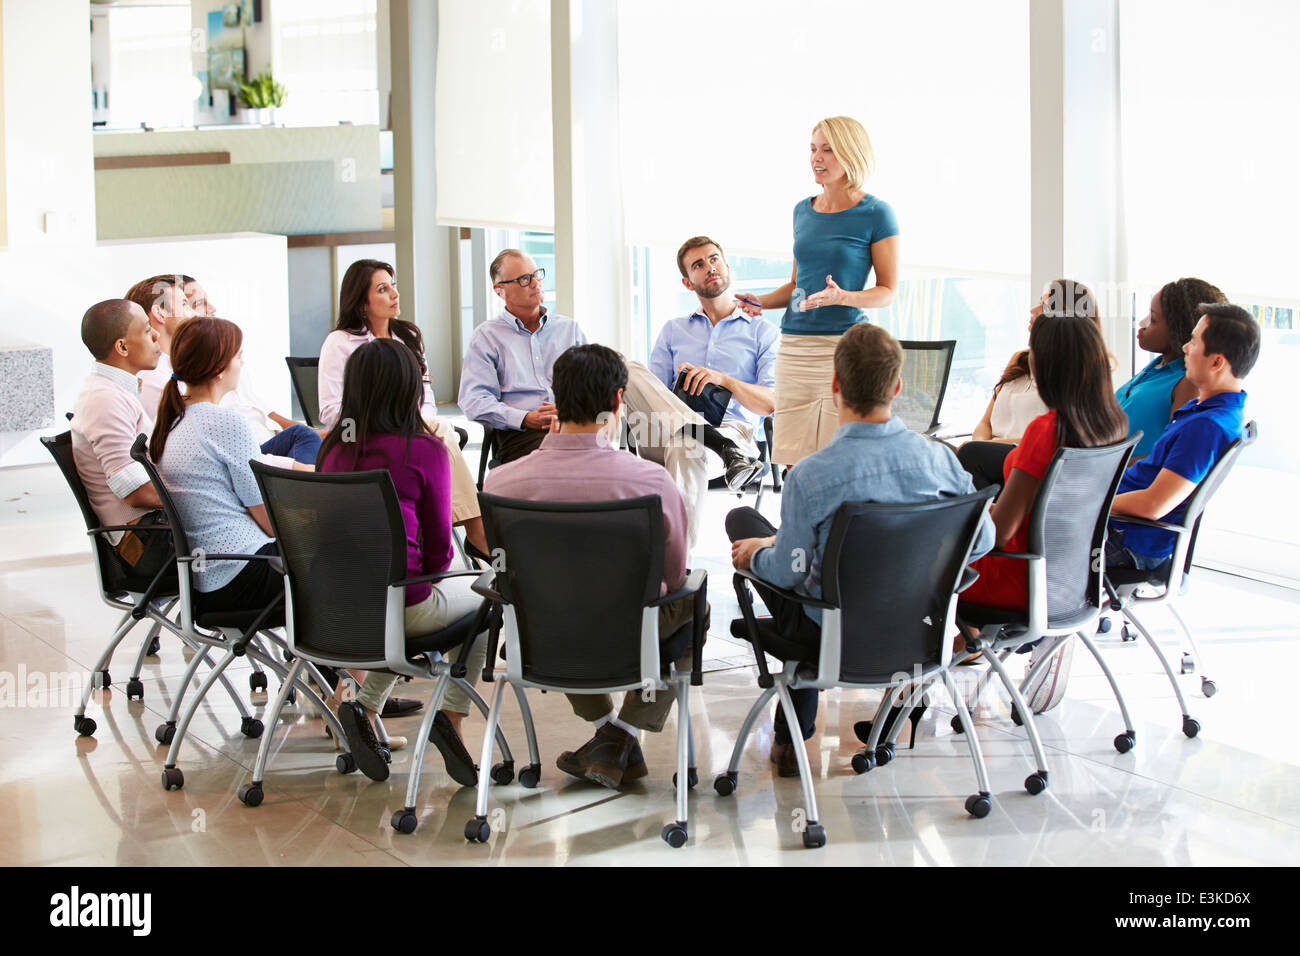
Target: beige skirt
806,418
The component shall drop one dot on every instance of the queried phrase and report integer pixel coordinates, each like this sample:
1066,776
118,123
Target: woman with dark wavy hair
382,394
369,309
1069,361
1151,397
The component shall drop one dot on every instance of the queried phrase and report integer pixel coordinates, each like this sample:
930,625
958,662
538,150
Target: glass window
328,61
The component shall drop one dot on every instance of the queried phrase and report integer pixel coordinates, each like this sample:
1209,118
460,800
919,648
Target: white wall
46,291
49,167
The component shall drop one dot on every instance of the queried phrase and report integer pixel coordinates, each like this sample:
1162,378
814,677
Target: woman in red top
1069,361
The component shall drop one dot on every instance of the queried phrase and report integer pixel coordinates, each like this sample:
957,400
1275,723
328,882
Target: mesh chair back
925,380
1201,496
578,575
305,372
342,542
111,575
1068,523
892,569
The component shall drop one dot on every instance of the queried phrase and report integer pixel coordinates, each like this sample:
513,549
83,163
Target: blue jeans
297,442
1118,556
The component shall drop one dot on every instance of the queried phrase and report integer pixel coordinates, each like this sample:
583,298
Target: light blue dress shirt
740,345
886,464
507,369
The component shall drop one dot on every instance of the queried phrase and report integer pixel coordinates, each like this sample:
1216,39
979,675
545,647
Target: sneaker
372,758
741,470
460,765
1048,689
608,758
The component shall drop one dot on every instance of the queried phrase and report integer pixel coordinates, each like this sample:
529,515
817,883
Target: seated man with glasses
506,376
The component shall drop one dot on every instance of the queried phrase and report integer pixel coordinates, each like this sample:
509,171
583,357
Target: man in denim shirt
873,457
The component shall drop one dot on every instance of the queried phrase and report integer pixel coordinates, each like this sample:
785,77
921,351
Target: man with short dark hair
1220,354
577,462
106,418
872,457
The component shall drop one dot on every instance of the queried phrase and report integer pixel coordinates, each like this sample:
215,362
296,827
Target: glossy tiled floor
1230,796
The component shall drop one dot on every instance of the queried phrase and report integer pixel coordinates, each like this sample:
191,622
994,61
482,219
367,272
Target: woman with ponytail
382,394
369,309
202,454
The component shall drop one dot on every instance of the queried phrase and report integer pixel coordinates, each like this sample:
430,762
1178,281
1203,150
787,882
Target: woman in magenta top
1069,361
382,392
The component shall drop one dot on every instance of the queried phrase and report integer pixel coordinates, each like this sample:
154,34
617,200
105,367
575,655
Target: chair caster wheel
863,762
955,724
477,830
503,773
530,776
250,794
724,784
1015,716
1104,625
1126,741
104,680
251,727
884,754
1187,665
692,778
1208,688
291,697
404,821
345,763
1126,636
164,733
674,835
256,681
135,689
978,805
154,647
172,779
814,835
1191,726
1036,783
84,726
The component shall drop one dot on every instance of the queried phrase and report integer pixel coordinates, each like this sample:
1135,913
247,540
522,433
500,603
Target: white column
591,257
1046,143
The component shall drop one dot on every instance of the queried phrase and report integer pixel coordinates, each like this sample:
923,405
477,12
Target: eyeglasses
525,280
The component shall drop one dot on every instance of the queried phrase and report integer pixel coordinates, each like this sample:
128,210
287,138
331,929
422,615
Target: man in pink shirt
576,462
106,418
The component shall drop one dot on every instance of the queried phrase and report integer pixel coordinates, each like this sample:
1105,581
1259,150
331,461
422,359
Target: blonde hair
852,147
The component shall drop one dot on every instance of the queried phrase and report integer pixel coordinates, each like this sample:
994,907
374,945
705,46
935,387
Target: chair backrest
577,576
343,543
925,380
1201,496
1068,524
304,370
892,570
111,576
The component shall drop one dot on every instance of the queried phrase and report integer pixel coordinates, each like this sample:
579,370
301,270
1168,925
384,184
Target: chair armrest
968,577
438,576
1018,555
483,586
1148,523
694,581
104,529
786,592
276,564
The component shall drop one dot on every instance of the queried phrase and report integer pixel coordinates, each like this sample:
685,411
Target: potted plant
263,95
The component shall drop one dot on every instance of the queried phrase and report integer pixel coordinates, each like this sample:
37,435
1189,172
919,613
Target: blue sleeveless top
1147,399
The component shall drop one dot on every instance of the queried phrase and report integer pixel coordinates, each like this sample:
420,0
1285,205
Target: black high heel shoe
862,729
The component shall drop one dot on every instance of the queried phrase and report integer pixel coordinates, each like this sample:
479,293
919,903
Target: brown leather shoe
787,764
575,762
636,768
608,759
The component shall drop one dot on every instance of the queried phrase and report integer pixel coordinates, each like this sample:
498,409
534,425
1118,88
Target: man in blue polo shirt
1220,354
718,344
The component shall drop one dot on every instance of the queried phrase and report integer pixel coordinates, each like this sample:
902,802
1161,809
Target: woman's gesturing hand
831,295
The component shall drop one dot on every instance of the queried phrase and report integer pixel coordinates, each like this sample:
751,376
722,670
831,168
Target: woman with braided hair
1151,397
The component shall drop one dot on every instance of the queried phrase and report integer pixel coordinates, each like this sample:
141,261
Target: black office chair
1066,539
885,609
235,633
343,544
138,598
1123,584
926,366
580,597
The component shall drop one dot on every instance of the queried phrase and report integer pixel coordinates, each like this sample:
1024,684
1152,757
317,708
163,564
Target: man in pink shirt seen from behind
577,462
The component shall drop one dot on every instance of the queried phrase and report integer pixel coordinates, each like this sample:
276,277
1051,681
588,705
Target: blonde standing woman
840,236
